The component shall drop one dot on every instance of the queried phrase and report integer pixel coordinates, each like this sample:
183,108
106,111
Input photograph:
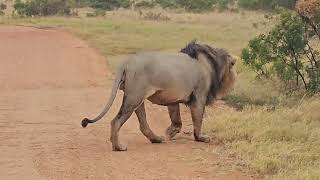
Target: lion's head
222,63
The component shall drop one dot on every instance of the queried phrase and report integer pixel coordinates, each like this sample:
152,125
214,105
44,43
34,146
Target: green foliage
204,5
266,4
42,7
257,4
285,52
286,3
109,4
248,4
199,5
189,5
167,3
145,4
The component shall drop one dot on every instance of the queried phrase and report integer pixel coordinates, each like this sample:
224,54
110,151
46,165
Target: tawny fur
195,77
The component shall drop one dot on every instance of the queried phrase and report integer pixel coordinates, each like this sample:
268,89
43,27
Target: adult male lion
194,76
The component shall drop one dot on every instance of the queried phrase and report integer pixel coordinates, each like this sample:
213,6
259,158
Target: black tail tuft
84,122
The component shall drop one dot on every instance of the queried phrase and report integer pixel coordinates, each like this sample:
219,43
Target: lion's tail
116,84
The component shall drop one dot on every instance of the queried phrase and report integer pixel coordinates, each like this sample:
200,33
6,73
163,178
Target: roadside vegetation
273,127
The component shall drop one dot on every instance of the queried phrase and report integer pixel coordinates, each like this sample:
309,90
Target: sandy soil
49,81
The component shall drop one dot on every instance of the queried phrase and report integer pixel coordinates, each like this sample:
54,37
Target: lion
195,76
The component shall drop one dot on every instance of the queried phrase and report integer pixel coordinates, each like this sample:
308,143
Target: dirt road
49,81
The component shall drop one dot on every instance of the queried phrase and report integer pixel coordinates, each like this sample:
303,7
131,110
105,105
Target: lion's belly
168,97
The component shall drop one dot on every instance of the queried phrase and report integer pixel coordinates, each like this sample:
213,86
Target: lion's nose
233,62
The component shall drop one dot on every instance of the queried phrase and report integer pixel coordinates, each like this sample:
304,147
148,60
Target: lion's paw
158,139
119,148
203,138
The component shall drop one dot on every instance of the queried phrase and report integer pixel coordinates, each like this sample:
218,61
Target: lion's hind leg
144,126
129,105
176,124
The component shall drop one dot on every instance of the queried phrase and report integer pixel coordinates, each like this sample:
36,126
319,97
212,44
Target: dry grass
125,32
275,135
283,143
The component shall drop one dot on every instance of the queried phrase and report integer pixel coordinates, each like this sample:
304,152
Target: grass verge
282,144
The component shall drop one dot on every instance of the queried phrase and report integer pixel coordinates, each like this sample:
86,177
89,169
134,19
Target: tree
286,52
310,13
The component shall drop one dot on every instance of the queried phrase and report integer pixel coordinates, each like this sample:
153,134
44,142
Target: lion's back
163,70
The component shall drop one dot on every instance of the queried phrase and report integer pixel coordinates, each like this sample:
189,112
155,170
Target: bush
109,4
286,53
197,6
145,4
290,4
257,4
97,13
266,4
42,7
189,5
167,3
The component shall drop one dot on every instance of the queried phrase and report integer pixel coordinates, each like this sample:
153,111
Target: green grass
276,135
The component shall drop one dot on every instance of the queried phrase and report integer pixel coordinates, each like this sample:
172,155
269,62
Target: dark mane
194,49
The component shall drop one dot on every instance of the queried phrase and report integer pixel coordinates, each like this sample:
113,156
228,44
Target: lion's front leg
197,110
176,124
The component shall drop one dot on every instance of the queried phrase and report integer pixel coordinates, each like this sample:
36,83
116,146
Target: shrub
256,4
97,13
109,4
189,5
145,4
287,3
167,3
266,4
42,7
197,6
286,52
